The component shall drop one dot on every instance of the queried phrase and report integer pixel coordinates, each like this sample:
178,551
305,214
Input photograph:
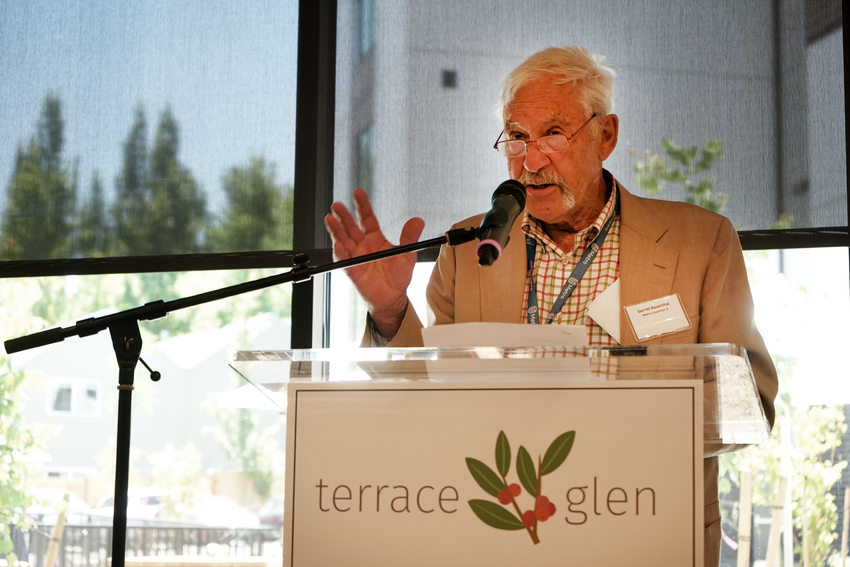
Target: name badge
657,317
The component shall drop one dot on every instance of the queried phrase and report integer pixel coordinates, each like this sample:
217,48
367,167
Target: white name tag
658,317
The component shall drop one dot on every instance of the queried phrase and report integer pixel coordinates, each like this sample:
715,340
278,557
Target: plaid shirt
552,267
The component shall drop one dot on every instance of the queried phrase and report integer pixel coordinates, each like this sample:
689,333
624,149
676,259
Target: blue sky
226,70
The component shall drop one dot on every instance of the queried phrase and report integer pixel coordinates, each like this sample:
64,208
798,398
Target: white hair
566,65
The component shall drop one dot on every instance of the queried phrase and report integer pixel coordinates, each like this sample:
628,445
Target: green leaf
674,176
495,516
525,470
557,452
503,454
714,147
485,477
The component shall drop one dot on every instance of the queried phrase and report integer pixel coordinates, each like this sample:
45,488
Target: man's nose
535,160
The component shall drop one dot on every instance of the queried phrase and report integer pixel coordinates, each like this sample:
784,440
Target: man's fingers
346,226
344,246
365,214
411,231
339,251
335,228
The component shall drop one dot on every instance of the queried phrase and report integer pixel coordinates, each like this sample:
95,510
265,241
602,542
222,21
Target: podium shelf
733,413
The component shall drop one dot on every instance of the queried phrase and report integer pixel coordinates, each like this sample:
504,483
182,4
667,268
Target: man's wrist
387,322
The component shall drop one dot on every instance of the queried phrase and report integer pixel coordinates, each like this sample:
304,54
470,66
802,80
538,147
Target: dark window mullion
314,135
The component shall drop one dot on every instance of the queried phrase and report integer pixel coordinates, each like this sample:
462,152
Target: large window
142,146
172,135
159,150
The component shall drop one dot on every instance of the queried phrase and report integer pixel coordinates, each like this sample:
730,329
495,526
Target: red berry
542,508
505,496
551,509
528,518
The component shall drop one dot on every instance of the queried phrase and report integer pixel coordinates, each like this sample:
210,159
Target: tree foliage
258,212
93,231
689,167
19,439
808,457
129,205
176,207
160,208
249,448
38,219
16,440
686,166
156,206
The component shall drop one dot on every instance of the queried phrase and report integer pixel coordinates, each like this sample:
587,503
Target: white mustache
546,178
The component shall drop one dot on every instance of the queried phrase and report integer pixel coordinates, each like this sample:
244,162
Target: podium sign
504,472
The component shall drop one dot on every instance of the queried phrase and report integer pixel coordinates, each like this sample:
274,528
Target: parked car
271,513
143,503
222,512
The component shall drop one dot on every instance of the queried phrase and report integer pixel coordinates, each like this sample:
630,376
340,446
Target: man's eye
517,136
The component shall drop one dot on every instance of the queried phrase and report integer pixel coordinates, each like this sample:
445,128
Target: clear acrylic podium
418,426
733,413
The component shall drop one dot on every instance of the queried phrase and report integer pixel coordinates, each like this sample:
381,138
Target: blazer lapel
647,268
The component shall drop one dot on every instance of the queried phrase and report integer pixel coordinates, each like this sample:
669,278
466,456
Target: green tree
16,440
93,227
38,220
129,208
258,215
25,201
19,438
178,470
60,183
684,166
252,450
810,456
689,167
159,207
177,209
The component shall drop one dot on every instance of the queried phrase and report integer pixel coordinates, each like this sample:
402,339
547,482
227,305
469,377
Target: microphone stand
127,342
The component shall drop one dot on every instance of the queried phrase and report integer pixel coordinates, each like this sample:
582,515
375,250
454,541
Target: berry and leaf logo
506,514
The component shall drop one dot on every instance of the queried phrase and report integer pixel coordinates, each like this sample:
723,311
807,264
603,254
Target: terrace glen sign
425,473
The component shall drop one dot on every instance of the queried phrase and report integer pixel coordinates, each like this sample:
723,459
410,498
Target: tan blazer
665,247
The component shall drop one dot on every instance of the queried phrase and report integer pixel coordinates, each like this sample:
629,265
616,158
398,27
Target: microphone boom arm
158,309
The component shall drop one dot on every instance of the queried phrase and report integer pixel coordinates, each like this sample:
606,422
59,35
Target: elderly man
558,130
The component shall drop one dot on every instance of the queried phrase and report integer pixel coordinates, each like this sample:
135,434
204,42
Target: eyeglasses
547,144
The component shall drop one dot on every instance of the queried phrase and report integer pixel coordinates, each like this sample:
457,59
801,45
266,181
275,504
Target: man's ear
608,135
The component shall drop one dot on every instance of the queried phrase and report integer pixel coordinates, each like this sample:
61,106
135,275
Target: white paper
605,310
503,335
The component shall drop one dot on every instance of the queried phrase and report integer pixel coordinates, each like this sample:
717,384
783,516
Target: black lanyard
533,314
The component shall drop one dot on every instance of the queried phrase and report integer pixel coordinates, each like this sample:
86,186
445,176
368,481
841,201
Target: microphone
508,202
